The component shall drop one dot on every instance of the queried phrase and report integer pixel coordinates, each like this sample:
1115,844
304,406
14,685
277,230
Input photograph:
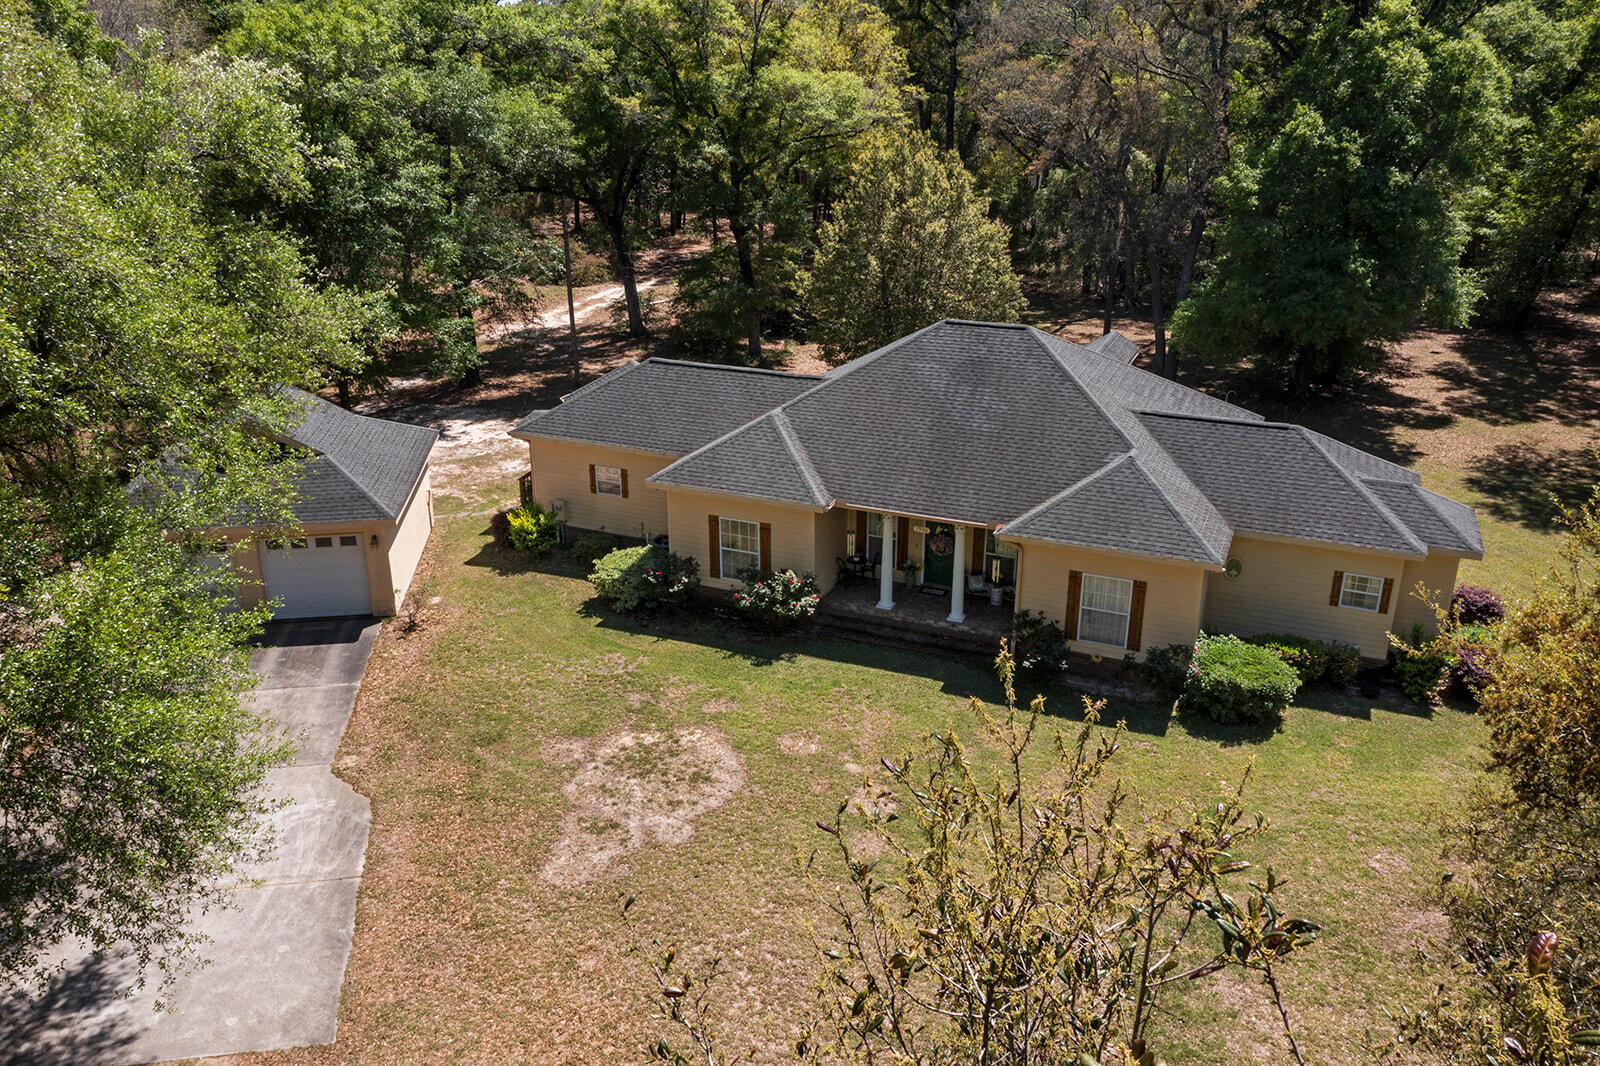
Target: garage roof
361,469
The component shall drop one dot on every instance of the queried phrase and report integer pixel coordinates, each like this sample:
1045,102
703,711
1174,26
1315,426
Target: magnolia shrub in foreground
1023,910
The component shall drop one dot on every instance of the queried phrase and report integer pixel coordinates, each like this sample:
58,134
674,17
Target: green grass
465,953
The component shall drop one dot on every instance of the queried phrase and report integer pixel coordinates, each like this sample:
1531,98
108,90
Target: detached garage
364,511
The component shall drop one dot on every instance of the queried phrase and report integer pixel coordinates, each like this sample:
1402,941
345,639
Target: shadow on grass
1528,484
70,1023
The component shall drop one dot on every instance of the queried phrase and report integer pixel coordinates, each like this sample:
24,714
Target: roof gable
762,459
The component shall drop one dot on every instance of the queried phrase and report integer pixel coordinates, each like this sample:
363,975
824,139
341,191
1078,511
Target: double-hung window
608,480
1104,606
739,543
999,561
874,546
1361,591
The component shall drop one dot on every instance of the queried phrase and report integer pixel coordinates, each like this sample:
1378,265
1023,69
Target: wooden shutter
861,532
766,547
975,554
624,484
1388,587
714,526
1338,586
902,544
1136,616
1074,593
592,486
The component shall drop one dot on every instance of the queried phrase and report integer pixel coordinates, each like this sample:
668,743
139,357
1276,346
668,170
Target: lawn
532,759
529,757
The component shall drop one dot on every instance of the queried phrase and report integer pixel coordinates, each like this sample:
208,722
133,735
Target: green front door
938,554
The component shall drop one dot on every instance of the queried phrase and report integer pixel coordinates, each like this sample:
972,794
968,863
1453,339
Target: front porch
918,617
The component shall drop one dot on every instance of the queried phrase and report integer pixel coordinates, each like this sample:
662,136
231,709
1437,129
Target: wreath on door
942,544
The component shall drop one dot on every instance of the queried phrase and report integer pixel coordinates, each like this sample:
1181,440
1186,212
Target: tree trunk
1524,311
747,275
616,224
343,385
572,316
951,76
1156,320
1191,252
1109,291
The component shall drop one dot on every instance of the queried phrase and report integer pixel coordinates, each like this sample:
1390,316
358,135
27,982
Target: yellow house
363,510
1001,468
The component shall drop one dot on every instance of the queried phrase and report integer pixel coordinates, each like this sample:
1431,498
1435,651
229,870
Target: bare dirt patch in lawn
799,742
634,788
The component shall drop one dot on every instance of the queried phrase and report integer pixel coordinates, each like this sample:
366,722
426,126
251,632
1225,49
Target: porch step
898,633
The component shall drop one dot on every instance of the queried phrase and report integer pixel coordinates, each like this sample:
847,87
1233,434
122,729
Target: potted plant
912,569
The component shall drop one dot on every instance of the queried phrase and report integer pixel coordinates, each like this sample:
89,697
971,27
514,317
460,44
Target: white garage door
317,577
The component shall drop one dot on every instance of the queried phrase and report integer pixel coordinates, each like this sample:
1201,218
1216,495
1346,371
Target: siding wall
1173,593
1438,573
794,532
1284,588
829,545
561,472
404,543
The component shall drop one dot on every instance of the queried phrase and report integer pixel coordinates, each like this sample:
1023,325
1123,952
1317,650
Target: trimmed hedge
529,528
645,578
1167,667
1422,665
1313,660
1232,681
592,547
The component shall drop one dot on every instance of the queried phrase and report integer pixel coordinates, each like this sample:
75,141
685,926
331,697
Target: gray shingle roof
1011,428
361,469
1269,477
1114,345
664,405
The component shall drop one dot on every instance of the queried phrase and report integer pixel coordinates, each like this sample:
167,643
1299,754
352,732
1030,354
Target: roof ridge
1367,494
1190,416
351,478
608,375
769,371
1205,545
1051,501
798,453
1034,333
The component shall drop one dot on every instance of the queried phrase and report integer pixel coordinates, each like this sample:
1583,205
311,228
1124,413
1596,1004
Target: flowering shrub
530,528
778,600
1231,681
1474,605
635,580
1037,644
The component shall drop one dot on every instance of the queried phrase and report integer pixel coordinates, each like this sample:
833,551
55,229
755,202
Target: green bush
636,580
592,547
531,529
1313,660
777,601
1168,667
1422,666
1231,681
1038,645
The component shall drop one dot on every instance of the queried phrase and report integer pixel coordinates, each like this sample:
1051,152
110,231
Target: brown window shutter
1074,592
1136,616
1338,586
624,484
861,532
975,564
714,566
592,486
902,542
766,547
1383,602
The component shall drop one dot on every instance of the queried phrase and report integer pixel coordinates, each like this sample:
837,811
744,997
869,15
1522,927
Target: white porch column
958,577
886,571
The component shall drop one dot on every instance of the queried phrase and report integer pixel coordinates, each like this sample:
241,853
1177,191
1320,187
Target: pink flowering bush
777,601
637,580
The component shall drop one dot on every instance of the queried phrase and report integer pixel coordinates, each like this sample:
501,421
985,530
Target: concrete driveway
278,955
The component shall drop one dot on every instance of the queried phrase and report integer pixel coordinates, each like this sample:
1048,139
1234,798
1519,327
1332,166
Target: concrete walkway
278,955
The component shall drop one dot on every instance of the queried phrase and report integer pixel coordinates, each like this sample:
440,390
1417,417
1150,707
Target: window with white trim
1104,604
608,480
740,545
999,561
874,548
1361,591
